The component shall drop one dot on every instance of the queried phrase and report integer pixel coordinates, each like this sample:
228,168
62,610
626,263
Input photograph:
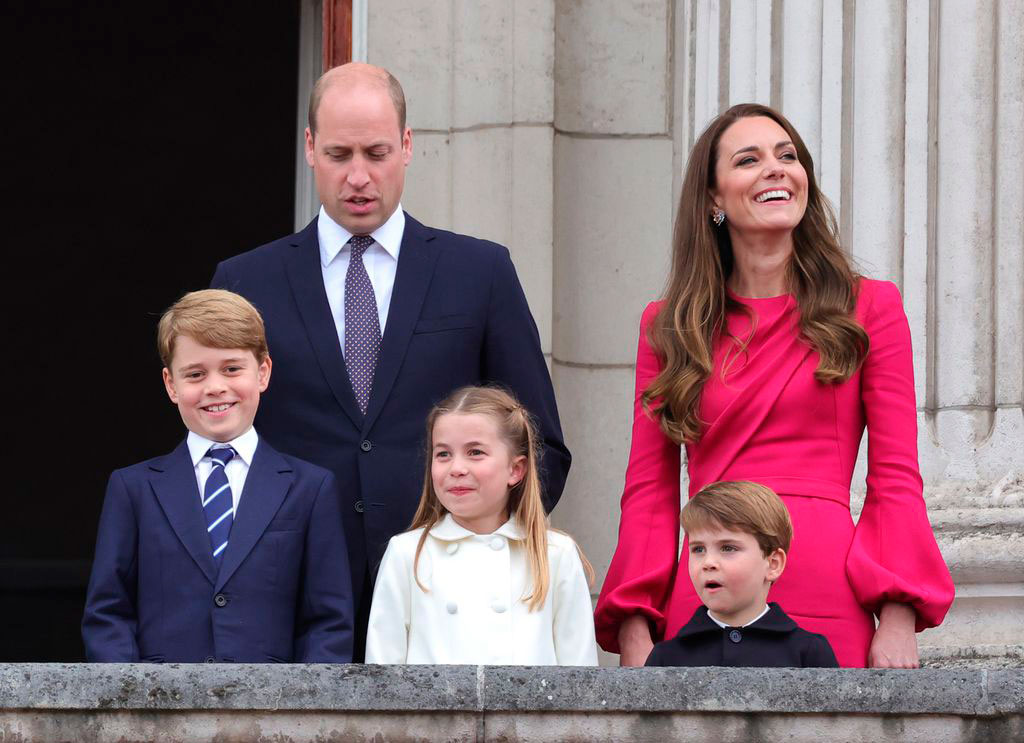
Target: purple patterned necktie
362,326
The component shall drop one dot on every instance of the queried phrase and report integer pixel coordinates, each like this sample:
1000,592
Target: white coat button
497,543
452,548
498,607
452,607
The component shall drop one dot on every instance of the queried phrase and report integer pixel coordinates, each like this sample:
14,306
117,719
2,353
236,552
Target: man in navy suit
358,370
223,550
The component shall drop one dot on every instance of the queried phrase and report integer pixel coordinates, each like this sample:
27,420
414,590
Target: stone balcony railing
86,703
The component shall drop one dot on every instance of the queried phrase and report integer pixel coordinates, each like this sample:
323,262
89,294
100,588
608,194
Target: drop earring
717,216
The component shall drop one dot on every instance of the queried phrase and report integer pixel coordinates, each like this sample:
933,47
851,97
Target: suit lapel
174,483
302,264
266,486
415,269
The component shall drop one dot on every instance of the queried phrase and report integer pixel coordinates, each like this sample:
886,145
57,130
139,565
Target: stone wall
41,703
560,128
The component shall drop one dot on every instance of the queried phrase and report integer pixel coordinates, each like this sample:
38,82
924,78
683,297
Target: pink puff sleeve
643,568
894,556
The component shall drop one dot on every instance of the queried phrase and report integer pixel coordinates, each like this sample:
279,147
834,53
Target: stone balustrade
94,703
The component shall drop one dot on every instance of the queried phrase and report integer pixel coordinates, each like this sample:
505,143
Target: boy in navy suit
224,550
738,535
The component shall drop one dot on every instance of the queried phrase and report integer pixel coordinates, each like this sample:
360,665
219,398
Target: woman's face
761,185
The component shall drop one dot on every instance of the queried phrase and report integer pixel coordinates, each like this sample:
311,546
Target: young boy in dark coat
738,534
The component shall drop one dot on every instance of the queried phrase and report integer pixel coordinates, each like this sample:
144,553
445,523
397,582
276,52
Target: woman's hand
635,642
894,644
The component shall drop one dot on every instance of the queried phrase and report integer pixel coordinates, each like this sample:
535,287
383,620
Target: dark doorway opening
146,142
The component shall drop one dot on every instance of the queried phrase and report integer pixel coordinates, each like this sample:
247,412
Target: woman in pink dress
766,360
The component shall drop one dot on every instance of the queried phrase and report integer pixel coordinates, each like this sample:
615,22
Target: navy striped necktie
362,324
217,502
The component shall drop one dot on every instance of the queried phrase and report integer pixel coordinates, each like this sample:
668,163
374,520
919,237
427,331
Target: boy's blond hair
215,318
741,506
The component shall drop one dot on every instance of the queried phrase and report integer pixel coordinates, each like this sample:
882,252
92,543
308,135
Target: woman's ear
517,470
776,564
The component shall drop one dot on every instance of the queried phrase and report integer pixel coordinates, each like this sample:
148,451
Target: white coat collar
448,531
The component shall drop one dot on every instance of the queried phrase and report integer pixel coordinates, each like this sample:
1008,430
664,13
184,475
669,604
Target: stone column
614,168
478,80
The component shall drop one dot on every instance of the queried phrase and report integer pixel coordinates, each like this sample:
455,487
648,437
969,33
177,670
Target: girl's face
761,185
472,470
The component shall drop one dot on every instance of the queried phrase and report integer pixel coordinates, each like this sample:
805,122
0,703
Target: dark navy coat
774,640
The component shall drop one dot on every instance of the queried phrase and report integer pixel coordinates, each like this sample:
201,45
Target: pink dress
771,422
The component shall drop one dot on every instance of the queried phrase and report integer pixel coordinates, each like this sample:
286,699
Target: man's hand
635,642
894,644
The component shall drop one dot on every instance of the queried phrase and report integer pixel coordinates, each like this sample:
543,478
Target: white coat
473,613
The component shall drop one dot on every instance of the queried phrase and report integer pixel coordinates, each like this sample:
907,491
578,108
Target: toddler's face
217,390
731,574
472,470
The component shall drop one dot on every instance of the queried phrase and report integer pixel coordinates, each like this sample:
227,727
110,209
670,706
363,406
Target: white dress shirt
474,612
236,470
380,261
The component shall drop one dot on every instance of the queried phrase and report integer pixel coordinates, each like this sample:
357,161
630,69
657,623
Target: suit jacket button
220,600
365,445
359,506
210,659
452,607
735,635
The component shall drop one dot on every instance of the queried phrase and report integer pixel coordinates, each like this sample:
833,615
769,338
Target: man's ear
776,564
309,147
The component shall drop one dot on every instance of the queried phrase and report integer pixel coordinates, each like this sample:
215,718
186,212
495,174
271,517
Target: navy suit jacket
458,316
281,593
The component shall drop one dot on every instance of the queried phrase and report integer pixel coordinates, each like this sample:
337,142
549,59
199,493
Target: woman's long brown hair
683,333
518,430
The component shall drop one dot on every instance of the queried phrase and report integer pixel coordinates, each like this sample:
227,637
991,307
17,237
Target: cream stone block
1009,205
596,408
613,231
531,218
482,183
612,66
964,219
875,204
533,47
427,194
801,70
414,42
483,63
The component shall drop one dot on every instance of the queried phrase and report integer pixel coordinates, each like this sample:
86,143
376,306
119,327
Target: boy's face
217,390
731,574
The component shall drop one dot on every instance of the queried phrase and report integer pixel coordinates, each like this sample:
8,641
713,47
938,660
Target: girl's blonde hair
518,431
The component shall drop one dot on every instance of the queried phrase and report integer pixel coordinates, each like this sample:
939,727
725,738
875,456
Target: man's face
358,155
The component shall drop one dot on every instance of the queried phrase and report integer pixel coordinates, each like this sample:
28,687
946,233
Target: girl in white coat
480,578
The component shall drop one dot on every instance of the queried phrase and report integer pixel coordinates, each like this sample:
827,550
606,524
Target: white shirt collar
333,237
244,446
448,531
723,625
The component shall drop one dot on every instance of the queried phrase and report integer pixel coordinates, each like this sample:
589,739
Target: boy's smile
731,574
217,390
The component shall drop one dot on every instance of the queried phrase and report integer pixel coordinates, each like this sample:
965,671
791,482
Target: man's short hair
741,506
394,88
215,318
